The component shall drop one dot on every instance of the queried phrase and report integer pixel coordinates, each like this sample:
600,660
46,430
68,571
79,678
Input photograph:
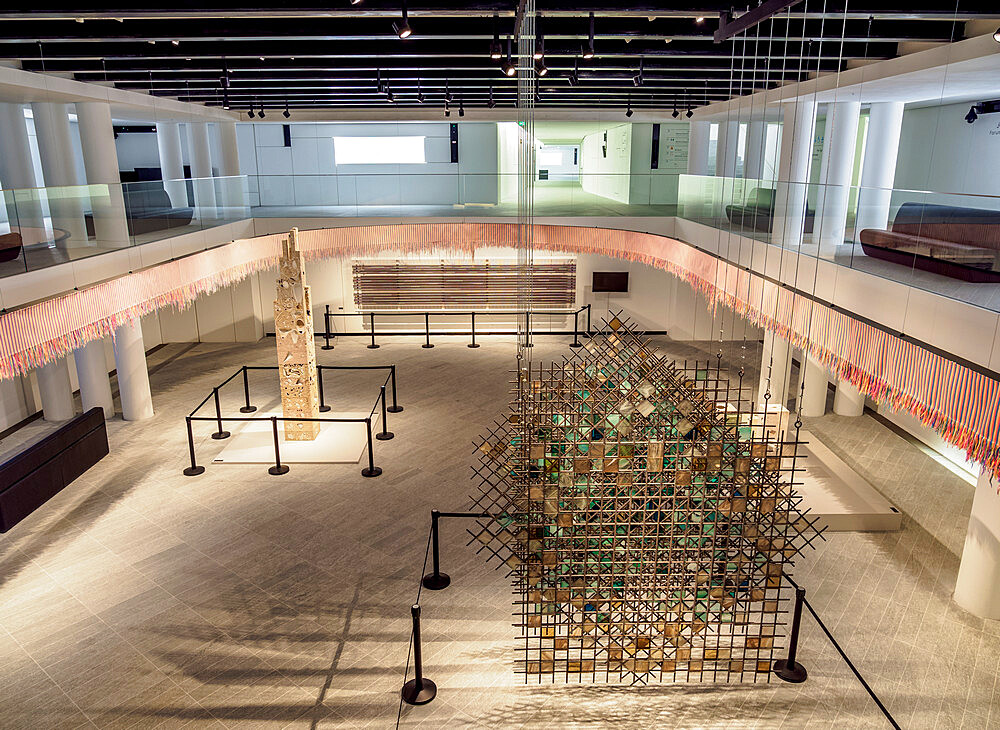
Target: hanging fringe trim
960,404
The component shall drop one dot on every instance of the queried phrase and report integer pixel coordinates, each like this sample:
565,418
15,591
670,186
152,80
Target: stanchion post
371,321
193,470
576,330
326,329
278,467
247,408
371,470
473,343
427,331
220,434
419,690
789,669
437,580
395,407
385,434
323,407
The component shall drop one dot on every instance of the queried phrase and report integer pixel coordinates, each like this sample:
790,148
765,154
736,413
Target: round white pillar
698,141
775,370
814,388
92,372
753,160
232,186
17,173
839,148
100,159
55,390
878,169
55,148
133,378
168,141
799,123
977,589
725,150
201,168
848,400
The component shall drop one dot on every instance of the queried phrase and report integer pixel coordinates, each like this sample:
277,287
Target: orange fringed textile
961,404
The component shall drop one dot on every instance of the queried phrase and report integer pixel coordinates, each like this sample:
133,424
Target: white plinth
337,443
837,495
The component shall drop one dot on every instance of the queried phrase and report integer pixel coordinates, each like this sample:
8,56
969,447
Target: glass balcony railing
40,227
948,244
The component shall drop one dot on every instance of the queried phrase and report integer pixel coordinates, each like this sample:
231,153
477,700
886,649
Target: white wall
659,186
606,172
508,134
307,173
137,150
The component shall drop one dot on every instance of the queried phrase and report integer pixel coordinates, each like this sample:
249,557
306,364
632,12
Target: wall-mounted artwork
646,515
293,329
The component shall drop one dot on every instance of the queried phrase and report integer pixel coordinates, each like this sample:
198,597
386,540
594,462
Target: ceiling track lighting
588,52
689,113
225,99
496,53
637,79
250,111
574,77
491,103
447,109
628,111
699,20
539,53
509,69
260,114
675,113
461,108
420,93
355,2
402,28
447,90
286,113
983,107
540,68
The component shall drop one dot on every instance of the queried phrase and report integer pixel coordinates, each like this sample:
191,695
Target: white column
978,587
698,141
55,148
201,167
814,384
753,159
56,392
24,209
92,372
793,172
849,400
133,378
725,150
839,148
168,140
878,169
100,159
230,167
776,360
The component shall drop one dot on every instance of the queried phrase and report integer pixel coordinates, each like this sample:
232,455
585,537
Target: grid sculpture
646,512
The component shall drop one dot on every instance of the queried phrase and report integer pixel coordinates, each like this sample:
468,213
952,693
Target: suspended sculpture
293,329
646,516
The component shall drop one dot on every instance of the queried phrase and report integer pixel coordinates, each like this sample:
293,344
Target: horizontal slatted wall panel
419,286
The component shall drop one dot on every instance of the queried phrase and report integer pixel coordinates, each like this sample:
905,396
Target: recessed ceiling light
176,42
700,19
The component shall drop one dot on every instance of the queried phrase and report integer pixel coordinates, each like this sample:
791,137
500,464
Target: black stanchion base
474,345
278,470
795,673
324,409
427,347
576,344
394,409
384,435
326,347
248,409
414,694
193,471
219,435
374,347
437,582
373,472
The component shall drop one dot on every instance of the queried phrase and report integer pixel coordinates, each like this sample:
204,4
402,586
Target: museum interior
518,364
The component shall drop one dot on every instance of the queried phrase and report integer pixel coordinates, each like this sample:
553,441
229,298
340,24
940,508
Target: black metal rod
436,550
576,330
427,331
589,330
395,407
278,467
371,470
219,434
323,407
194,469
385,434
473,330
247,408
793,639
326,328
418,691
373,345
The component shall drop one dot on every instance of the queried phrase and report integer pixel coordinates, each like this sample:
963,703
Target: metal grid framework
646,512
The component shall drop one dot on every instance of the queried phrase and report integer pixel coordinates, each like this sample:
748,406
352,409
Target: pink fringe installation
961,404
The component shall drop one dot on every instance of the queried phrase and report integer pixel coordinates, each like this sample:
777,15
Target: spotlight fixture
461,108
402,28
628,112
996,36
250,111
495,51
540,68
588,52
491,103
225,99
539,53
176,42
971,116
420,93
700,19
260,114
637,79
389,95
447,110
983,107
689,113
675,113
447,90
286,113
355,2
224,79
574,78
509,69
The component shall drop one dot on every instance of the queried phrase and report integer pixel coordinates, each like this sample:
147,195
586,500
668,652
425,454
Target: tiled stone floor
142,598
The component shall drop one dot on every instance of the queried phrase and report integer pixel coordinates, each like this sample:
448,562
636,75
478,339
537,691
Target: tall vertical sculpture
293,328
